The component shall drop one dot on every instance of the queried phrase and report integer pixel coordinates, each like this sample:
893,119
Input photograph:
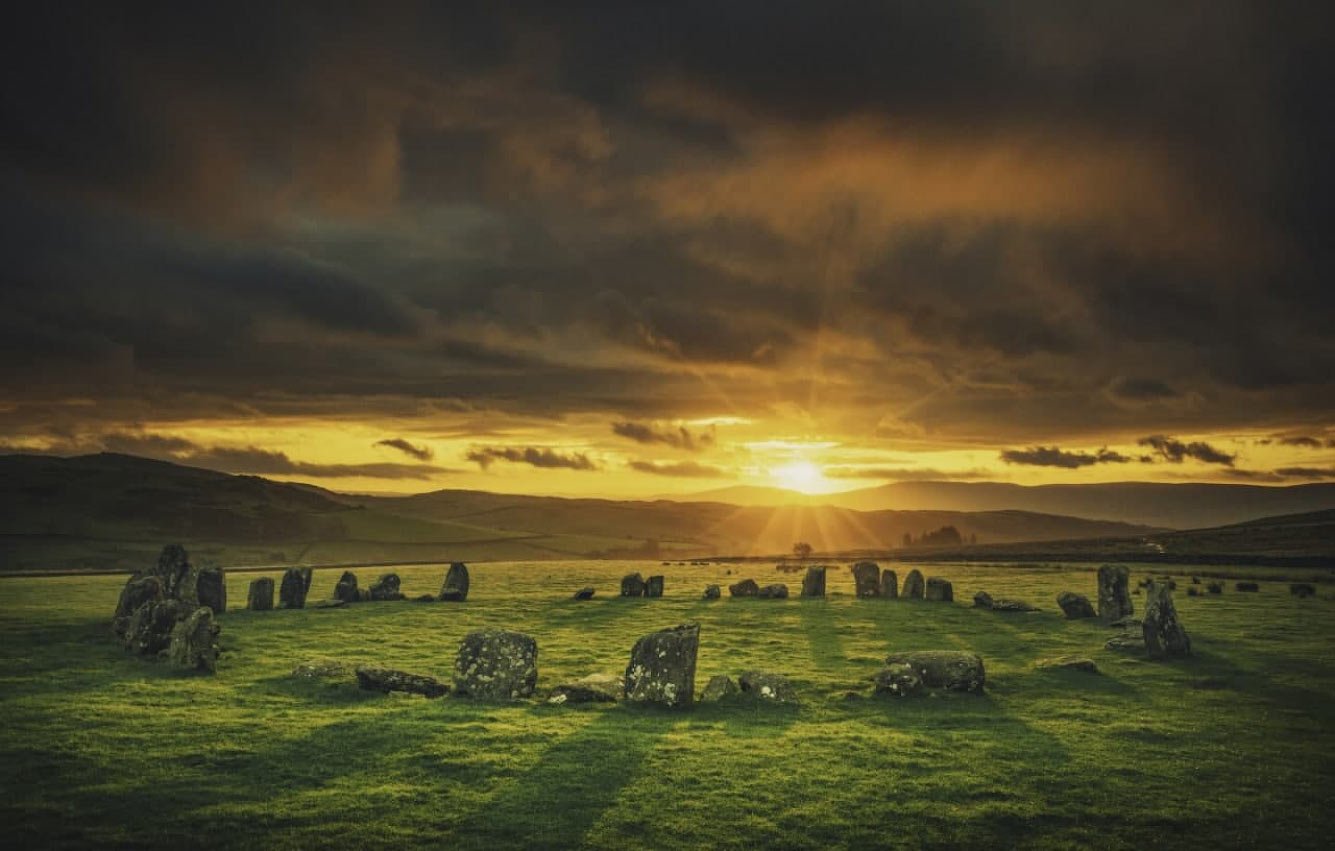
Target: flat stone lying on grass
720,686
387,588
712,592
913,585
1127,642
1246,586
387,680
595,688
346,587
496,664
889,586
425,598
764,685
940,590
653,586
585,593
260,596
745,588
662,667
1114,599
898,680
953,670
867,579
813,584
327,604
455,587
1302,589
194,641
1075,606
292,591
632,585
1067,663
324,669
777,591
1162,631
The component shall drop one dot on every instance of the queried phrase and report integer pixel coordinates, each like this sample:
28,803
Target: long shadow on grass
822,633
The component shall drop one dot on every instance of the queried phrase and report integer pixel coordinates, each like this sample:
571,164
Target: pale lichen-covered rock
632,585
712,592
940,590
585,593
150,628
867,579
813,584
719,687
496,664
653,586
763,685
346,588
387,588
745,588
889,584
595,688
387,680
292,591
1114,592
898,680
913,585
1067,663
194,641
662,667
777,591
1161,629
260,596
455,587
1075,606
136,593
953,670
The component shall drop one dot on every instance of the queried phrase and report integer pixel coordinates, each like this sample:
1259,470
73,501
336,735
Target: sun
801,476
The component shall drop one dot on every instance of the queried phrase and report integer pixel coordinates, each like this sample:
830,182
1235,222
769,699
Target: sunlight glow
801,476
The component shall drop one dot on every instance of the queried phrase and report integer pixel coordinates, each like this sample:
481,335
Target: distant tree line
944,537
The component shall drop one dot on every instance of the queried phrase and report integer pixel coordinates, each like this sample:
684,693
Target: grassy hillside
1231,748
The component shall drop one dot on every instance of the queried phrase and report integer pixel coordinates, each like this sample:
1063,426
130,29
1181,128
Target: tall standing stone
653,586
867,579
1114,593
913,585
662,667
813,584
260,598
292,593
496,664
889,584
632,585
455,587
211,589
940,590
1164,635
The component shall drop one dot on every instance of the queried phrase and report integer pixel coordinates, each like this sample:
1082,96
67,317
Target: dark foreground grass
1232,748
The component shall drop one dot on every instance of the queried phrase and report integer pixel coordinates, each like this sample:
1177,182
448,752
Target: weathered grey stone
387,588
260,596
813,584
496,664
292,592
1075,606
719,687
940,590
898,680
767,686
1163,632
455,587
324,669
953,670
745,588
982,600
867,579
595,688
653,586
149,631
632,585
777,591
1114,596
136,593
712,592
999,604
387,680
913,585
193,642
1246,586
211,588
173,571
585,593
1302,589
346,588
889,584
1126,642
662,667
1067,663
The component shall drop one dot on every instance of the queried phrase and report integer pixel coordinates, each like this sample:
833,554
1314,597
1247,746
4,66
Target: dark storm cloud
687,469
421,453
531,455
1306,472
678,437
1176,451
1052,456
1302,440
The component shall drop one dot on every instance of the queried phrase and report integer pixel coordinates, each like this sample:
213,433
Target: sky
633,249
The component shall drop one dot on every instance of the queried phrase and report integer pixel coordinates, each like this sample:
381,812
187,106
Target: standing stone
585,593
1074,605
292,593
662,667
632,585
813,584
211,589
889,584
387,588
260,598
745,588
867,579
496,664
913,585
346,588
940,590
1114,596
1164,635
306,575
135,594
954,670
712,592
192,641
653,586
455,587
173,570
777,591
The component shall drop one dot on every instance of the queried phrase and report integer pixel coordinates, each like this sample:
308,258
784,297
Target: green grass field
1234,747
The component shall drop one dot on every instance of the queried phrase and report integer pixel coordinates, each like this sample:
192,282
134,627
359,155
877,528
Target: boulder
496,664
1215,587
889,587
719,687
653,586
712,592
149,631
595,688
1126,642
745,588
777,591
1163,632
898,680
346,588
913,585
953,670
1246,586
135,594
324,669
260,596
193,641
1075,606
585,593
662,667
813,584
1302,589
982,600
1067,663
940,590
455,587
387,588
387,680
292,591
632,585
767,686
867,579
211,588
1114,596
